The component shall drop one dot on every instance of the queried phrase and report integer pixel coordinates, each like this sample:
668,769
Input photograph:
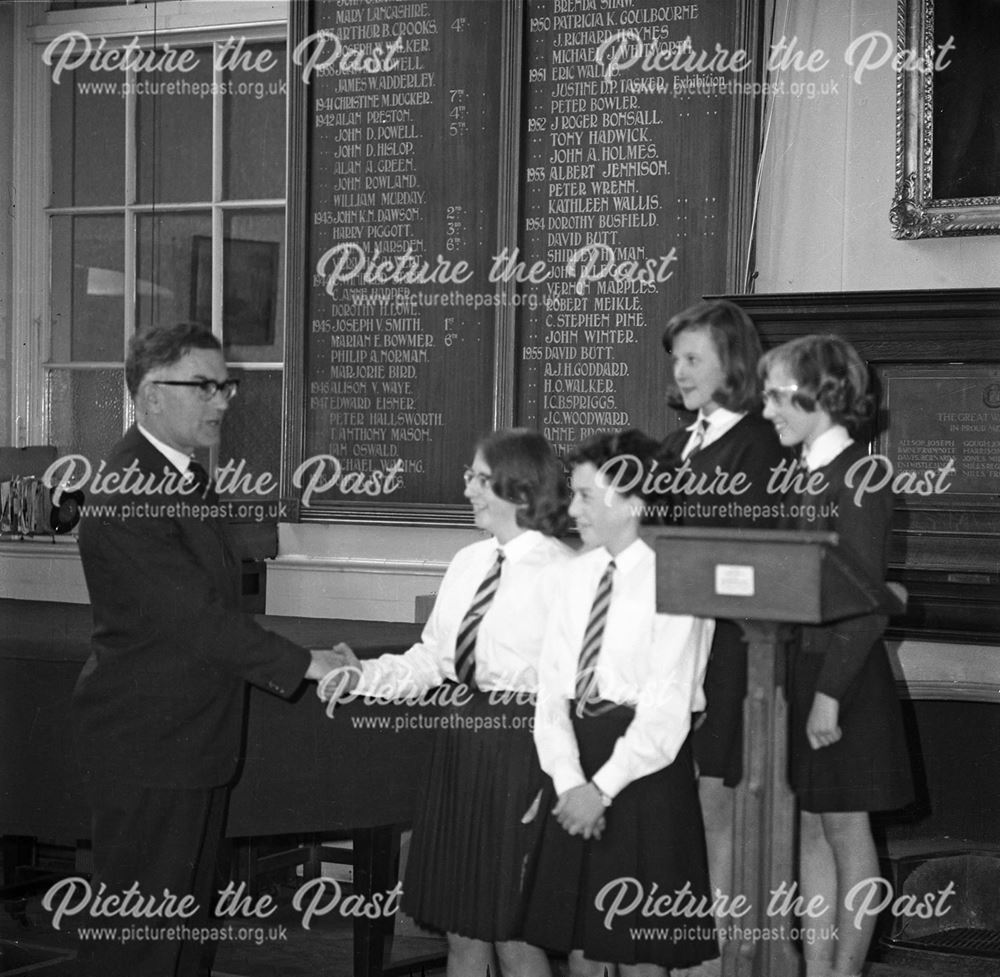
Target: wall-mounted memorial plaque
942,431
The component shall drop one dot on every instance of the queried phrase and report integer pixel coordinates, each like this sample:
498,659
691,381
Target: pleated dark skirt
868,768
471,855
653,846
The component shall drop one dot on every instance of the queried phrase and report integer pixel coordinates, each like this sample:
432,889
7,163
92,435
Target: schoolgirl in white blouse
618,684
473,850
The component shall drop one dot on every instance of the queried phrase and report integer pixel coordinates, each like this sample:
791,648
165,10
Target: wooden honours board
402,218
494,208
626,202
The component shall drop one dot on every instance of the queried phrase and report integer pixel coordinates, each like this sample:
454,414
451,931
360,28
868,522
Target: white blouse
509,639
654,662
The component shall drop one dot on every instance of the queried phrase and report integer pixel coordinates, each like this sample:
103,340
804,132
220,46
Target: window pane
88,289
86,411
175,133
253,289
88,139
251,432
253,112
174,259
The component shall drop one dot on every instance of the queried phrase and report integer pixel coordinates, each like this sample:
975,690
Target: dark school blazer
749,447
863,521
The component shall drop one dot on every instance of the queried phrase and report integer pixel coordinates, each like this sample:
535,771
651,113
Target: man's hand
822,726
580,811
338,658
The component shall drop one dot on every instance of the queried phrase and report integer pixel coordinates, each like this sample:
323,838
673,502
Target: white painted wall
360,572
829,174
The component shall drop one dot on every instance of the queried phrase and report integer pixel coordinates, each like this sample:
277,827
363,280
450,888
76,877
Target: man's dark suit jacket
160,702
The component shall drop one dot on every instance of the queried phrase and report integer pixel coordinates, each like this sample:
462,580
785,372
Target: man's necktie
204,489
465,646
586,675
696,441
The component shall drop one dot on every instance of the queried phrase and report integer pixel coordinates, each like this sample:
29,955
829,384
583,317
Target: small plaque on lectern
734,581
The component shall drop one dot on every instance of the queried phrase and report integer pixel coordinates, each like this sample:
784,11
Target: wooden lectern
762,579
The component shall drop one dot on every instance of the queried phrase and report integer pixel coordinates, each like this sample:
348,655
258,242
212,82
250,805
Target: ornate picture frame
944,106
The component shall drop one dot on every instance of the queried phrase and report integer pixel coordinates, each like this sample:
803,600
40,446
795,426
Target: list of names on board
625,203
402,207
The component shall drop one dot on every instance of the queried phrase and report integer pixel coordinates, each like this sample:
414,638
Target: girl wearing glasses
714,349
473,845
848,754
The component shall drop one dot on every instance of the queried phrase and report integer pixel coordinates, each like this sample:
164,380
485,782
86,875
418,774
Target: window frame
183,23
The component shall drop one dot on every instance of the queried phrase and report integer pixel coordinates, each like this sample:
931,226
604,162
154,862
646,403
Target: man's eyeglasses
207,389
779,395
470,475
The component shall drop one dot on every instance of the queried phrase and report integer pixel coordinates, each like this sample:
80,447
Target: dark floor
280,947
29,945
325,950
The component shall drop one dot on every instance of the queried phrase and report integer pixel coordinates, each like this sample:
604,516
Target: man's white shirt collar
176,458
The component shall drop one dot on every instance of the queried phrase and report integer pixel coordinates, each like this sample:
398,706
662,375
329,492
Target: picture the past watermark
134,493
136,914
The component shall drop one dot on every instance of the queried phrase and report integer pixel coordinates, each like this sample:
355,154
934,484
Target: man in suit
159,706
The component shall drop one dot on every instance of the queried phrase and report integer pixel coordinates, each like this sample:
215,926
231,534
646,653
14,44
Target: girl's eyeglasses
470,475
779,395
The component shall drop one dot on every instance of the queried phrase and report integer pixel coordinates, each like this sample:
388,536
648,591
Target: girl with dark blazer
848,754
714,350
